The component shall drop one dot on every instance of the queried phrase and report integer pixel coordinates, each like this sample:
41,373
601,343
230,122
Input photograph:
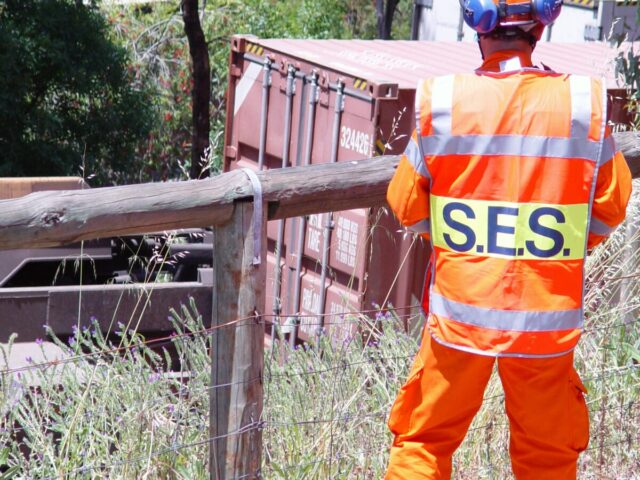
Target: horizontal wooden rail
54,218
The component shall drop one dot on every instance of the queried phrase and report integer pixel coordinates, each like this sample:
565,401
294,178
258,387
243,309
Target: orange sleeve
408,192
613,189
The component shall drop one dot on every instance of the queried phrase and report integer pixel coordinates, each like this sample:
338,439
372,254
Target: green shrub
155,38
66,98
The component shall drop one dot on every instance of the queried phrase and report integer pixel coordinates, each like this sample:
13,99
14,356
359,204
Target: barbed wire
614,372
194,393
339,456
625,323
156,342
261,425
349,317
112,351
173,449
343,418
341,366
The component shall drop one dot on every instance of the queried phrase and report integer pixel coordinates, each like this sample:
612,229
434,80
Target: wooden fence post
236,393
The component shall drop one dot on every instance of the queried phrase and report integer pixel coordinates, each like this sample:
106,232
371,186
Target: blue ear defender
484,15
545,11
481,15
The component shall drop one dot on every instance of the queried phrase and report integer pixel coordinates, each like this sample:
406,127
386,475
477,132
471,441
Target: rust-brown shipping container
300,102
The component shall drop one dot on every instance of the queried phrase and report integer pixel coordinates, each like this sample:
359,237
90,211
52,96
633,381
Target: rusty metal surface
13,261
143,307
403,62
366,246
42,286
24,312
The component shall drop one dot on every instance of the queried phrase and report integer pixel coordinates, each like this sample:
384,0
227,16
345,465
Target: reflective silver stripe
417,107
495,354
600,228
580,87
515,145
511,320
608,150
412,152
423,226
442,104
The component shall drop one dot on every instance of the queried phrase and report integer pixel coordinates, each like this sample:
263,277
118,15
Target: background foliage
155,38
104,92
66,97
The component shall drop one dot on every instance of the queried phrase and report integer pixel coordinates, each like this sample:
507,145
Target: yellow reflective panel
509,230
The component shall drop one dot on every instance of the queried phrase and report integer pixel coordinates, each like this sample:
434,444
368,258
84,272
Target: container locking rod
266,85
302,224
326,243
277,287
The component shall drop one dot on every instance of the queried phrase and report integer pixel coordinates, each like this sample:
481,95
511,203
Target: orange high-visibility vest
512,176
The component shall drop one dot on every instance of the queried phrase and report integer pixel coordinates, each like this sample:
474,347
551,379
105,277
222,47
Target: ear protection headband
484,15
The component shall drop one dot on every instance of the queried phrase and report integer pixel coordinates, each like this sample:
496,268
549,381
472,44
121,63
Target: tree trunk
380,17
201,92
385,12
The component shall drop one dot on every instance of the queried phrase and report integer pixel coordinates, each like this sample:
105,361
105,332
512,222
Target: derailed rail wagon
132,280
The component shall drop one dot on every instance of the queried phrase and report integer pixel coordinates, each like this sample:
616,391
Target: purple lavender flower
28,359
39,341
72,341
154,377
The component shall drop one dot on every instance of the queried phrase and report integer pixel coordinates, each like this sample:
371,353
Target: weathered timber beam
57,218
54,218
327,187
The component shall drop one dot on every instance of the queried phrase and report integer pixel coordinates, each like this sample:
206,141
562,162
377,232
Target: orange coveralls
511,183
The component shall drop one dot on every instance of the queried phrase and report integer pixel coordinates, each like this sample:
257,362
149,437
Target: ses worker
512,174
